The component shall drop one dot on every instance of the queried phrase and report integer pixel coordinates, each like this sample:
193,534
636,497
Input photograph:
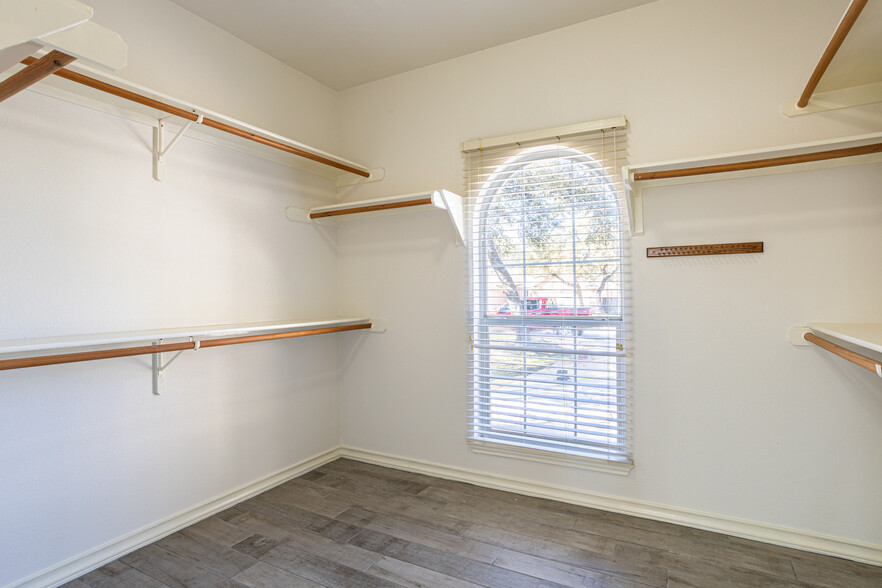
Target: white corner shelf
634,186
58,87
437,200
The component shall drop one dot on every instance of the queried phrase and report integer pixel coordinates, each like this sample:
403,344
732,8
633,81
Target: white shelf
437,200
861,343
64,25
82,95
866,335
635,187
23,353
74,342
851,77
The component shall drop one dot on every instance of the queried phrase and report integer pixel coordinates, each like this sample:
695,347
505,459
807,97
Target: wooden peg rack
716,249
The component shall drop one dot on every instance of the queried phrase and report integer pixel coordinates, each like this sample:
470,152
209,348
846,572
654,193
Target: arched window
549,276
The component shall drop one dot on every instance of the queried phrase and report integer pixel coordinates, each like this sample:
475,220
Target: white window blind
549,288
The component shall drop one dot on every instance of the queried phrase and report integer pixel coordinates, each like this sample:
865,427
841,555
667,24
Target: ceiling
344,43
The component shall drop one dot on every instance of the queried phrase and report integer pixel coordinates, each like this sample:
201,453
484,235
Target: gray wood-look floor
353,525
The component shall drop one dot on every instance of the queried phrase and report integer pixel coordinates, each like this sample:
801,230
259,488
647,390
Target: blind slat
549,296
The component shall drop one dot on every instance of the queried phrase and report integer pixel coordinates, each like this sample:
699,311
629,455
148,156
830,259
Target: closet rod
855,358
372,208
186,114
851,15
11,364
36,70
759,163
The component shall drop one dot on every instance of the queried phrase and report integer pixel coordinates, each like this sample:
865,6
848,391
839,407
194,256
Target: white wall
175,52
90,243
729,418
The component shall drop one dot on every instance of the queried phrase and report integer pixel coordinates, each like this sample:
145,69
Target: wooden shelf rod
36,70
855,358
760,163
191,116
10,364
848,20
372,208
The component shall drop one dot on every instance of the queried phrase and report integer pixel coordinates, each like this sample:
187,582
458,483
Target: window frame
480,270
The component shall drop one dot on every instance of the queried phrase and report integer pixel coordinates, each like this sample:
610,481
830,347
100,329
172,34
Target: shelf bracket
452,203
633,197
160,150
159,367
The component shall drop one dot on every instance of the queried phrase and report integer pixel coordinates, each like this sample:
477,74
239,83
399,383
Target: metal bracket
160,150
159,367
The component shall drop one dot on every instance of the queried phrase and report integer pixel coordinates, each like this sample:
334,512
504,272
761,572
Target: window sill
574,461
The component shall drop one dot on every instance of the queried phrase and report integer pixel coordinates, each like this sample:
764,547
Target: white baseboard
814,542
95,558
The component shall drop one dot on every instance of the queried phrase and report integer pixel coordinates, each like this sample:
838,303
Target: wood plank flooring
351,525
